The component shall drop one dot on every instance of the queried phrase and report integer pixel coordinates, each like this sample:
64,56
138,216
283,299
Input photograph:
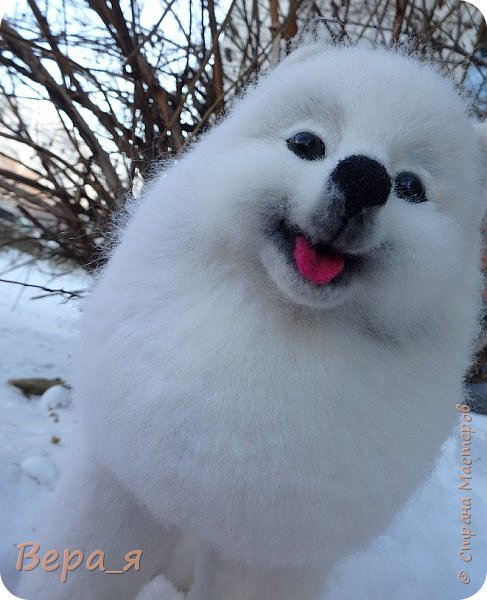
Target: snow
416,557
36,340
159,589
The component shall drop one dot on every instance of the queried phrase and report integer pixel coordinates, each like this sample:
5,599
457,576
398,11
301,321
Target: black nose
363,181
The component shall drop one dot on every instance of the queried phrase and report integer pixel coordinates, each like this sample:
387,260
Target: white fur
278,425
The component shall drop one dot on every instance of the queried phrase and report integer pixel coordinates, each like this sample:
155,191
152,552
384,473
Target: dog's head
348,175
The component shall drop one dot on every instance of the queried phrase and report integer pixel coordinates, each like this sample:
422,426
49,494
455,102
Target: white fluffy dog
272,357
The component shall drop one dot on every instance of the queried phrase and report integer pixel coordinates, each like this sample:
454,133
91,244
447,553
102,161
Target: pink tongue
312,266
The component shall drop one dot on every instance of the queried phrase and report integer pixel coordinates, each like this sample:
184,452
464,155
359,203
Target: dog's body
272,357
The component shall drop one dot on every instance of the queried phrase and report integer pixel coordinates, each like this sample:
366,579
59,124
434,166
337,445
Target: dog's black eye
410,187
306,145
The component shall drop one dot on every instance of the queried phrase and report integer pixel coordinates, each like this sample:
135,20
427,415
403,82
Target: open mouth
316,262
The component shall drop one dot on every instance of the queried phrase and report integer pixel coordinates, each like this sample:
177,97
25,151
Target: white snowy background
415,558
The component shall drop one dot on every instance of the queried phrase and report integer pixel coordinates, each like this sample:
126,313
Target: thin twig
51,292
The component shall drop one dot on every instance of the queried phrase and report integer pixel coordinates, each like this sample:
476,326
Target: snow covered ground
415,559
36,340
